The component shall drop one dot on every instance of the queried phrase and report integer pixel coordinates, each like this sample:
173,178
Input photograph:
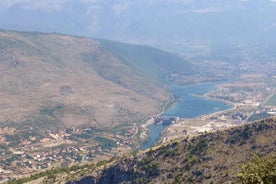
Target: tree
259,170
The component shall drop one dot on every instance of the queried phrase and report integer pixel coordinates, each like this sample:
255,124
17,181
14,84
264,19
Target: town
29,154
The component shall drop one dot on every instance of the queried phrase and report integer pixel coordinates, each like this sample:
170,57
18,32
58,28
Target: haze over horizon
137,91
174,25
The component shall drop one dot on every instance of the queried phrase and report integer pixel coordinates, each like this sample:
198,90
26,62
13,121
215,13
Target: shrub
259,170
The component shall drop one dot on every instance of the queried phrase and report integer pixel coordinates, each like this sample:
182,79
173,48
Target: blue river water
191,104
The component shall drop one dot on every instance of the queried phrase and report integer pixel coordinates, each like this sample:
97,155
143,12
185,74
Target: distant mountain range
176,25
75,81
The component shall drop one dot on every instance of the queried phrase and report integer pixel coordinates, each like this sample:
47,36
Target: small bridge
165,120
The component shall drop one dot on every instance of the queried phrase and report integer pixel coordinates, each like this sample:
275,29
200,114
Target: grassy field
271,101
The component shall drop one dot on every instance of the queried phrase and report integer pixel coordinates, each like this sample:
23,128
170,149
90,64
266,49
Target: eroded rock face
84,180
135,169
122,172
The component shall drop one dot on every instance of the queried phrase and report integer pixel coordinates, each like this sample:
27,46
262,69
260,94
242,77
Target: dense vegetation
259,170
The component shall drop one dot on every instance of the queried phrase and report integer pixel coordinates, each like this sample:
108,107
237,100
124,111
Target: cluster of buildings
76,145
24,163
167,120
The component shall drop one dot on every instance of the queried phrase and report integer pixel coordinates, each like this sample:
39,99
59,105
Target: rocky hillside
213,157
73,81
208,158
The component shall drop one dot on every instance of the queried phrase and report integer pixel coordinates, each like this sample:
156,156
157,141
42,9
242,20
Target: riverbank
191,127
146,136
207,96
234,107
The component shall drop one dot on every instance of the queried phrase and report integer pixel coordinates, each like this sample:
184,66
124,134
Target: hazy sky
163,23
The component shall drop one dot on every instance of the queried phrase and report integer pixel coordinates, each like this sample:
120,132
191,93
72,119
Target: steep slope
73,81
209,158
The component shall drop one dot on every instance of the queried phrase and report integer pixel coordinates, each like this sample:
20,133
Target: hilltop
74,81
213,157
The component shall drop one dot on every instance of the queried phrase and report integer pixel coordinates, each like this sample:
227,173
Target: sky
167,24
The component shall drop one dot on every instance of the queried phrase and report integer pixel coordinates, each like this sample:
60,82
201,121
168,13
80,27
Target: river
191,104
